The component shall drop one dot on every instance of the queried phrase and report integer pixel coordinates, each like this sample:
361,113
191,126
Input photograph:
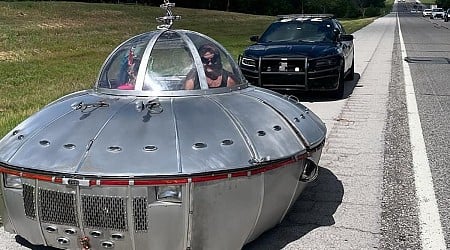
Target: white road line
430,223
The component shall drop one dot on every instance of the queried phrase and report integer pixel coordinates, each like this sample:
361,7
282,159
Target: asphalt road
429,61
365,196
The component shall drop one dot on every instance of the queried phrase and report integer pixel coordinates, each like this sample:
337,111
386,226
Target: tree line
340,8
443,3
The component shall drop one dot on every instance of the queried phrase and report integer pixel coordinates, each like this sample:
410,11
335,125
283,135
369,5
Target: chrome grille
57,207
28,201
140,214
104,212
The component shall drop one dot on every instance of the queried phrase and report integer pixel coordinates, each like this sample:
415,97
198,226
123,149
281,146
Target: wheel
351,72
339,92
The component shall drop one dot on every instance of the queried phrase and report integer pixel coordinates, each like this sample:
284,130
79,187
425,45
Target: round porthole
69,146
150,148
199,145
44,143
114,149
226,142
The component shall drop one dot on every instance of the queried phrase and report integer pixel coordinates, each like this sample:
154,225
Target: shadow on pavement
325,96
314,208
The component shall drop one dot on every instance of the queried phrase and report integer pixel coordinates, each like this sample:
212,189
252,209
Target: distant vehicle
426,12
437,13
446,15
301,53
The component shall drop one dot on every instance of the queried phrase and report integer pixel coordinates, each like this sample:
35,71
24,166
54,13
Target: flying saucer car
160,154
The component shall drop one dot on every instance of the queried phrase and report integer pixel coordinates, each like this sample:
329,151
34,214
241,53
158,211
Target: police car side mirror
347,38
254,38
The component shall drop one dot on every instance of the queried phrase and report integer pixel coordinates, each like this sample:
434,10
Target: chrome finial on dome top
168,18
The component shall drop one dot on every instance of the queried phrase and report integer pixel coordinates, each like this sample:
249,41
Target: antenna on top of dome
168,19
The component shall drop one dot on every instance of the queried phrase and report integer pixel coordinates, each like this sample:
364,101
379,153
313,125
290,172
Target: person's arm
231,80
189,84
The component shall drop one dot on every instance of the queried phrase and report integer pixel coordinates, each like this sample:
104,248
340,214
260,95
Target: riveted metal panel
278,196
20,135
234,211
209,139
66,137
135,143
272,136
307,124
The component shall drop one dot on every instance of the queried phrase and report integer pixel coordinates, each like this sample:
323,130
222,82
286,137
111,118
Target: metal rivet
44,143
296,119
20,137
199,145
15,132
69,146
226,142
114,149
150,148
261,133
276,128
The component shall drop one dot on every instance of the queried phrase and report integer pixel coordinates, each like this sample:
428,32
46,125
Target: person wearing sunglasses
216,76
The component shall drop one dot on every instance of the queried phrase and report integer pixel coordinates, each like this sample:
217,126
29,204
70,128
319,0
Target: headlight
12,181
327,62
168,193
248,62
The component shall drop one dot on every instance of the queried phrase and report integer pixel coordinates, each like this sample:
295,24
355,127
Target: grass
428,2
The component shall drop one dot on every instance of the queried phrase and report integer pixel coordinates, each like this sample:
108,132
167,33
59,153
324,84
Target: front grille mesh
140,214
28,201
104,212
57,207
97,211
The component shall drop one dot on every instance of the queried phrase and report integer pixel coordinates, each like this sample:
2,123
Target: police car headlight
12,181
168,193
327,62
249,62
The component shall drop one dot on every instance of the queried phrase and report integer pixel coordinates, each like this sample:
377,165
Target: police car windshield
299,31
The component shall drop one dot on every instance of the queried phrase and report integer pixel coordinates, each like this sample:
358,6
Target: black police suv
301,53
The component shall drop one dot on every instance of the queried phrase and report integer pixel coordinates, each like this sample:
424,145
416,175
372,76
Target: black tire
339,92
351,72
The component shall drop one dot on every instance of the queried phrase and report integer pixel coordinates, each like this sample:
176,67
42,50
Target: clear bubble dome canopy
169,63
